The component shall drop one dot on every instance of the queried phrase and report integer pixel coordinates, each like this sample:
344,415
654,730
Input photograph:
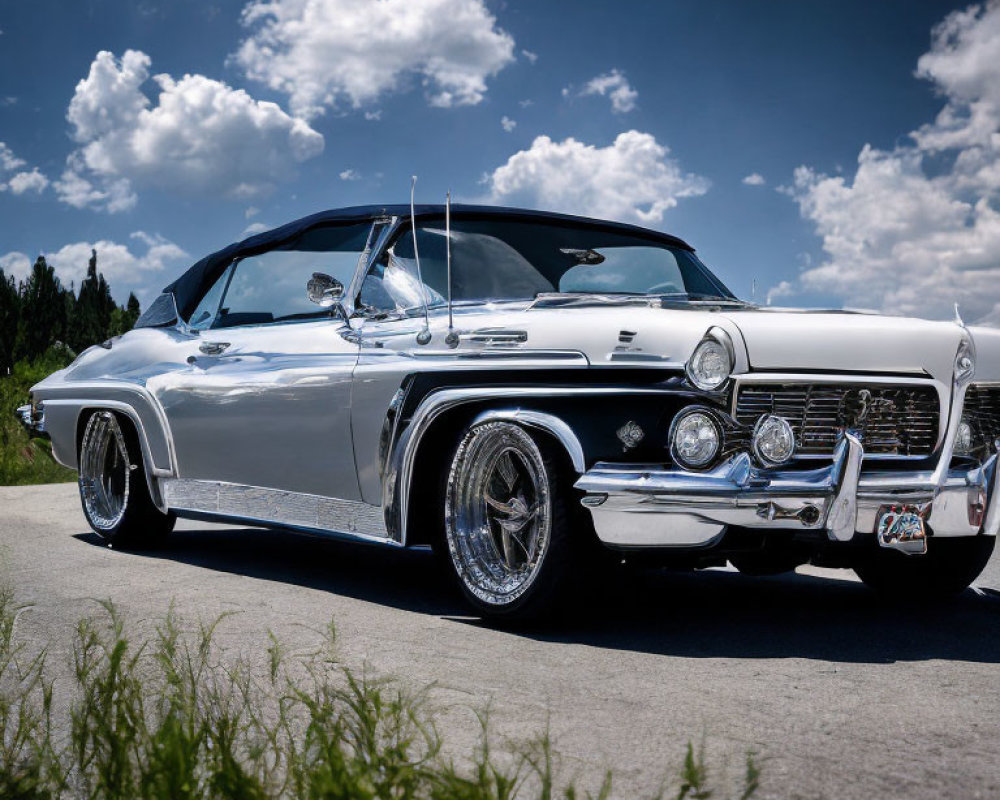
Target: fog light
773,441
963,439
695,439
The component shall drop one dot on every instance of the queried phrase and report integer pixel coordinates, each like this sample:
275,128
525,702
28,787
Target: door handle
213,348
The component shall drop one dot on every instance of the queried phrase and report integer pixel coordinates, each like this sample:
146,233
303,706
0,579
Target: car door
265,400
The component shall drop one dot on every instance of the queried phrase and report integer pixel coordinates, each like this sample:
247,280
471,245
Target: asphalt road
843,696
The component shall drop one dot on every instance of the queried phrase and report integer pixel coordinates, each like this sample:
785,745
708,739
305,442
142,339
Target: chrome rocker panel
644,506
256,505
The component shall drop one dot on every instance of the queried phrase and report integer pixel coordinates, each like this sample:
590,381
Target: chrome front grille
982,410
894,421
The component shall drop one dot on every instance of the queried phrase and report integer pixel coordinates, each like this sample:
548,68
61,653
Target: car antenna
425,335
452,338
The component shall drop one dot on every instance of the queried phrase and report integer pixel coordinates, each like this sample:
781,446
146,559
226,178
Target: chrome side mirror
324,290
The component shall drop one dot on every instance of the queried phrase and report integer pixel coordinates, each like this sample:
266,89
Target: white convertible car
525,392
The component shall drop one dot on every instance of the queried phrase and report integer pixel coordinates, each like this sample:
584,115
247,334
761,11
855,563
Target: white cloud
124,269
508,124
616,87
8,161
532,57
32,181
251,211
754,179
108,193
254,227
991,318
201,136
373,116
16,264
525,103
322,53
22,180
783,289
913,236
632,179
350,175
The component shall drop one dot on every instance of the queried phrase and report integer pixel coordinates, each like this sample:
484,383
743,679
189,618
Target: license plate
902,527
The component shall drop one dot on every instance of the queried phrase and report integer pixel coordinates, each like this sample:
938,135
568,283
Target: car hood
779,341
771,340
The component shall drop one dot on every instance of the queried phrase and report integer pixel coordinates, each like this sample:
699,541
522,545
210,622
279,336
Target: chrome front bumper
641,506
34,427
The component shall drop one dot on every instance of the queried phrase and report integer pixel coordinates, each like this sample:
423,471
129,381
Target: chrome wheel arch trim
398,480
78,408
540,420
134,399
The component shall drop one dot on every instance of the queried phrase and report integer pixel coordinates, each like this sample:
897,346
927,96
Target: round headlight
963,440
773,441
695,440
710,365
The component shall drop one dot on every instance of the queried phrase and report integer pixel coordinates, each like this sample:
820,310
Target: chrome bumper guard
636,505
34,427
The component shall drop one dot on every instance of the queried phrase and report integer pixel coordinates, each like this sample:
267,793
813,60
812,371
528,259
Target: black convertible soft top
187,289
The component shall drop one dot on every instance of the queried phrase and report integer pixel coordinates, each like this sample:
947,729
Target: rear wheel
113,488
949,566
507,522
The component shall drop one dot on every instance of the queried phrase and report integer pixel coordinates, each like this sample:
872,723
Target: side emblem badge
630,434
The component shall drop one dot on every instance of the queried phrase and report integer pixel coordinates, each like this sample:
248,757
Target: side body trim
276,507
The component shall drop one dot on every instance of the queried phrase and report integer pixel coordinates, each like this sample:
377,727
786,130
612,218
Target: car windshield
497,260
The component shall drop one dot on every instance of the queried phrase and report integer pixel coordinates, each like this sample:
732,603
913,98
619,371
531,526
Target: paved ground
843,696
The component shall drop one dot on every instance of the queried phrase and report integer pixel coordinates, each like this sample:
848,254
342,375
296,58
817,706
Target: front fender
65,405
531,406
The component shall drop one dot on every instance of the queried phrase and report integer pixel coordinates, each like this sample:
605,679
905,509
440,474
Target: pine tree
132,311
10,304
42,317
90,325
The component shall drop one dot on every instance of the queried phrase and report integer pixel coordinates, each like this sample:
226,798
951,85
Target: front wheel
949,566
113,489
507,520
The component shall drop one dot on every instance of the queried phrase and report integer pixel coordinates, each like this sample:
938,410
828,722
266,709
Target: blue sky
873,130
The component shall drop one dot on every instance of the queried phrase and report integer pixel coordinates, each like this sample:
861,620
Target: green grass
24,460
171,717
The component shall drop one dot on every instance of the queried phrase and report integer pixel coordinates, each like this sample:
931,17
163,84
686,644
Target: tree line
38,312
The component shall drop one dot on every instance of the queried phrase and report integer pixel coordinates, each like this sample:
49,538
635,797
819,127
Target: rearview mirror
324,290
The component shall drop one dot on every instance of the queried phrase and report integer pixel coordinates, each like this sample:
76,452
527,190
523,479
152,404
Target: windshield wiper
716,298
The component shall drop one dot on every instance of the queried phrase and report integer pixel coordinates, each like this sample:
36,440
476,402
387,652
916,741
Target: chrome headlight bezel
785,427
717,426
965,361
718,340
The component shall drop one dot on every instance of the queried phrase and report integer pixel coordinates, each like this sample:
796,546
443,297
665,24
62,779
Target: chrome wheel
105,472
498,513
